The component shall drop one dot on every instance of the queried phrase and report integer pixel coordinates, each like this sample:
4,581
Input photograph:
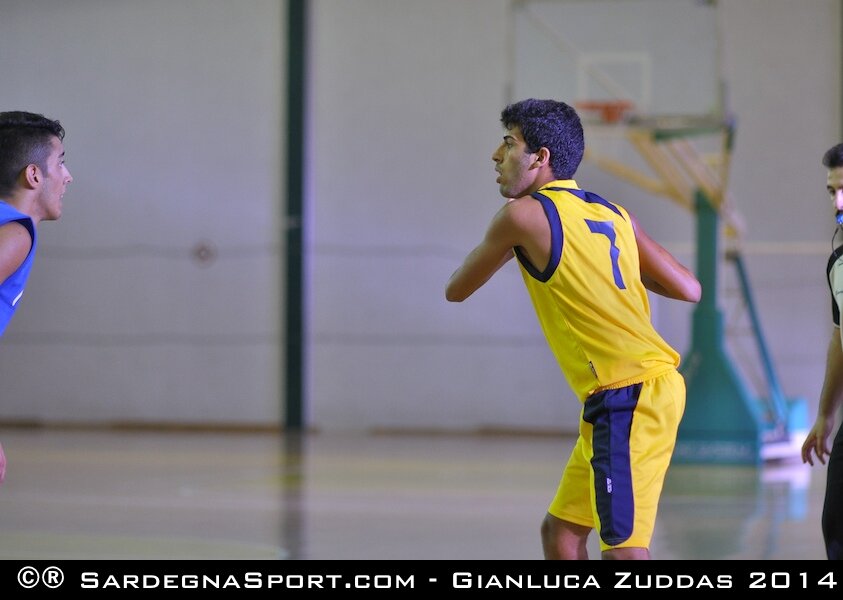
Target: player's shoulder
14,225
15,233
523,212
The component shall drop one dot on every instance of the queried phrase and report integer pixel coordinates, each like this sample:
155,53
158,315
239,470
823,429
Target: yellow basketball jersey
589,299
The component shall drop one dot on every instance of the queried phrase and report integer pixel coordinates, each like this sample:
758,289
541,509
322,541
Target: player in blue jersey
33,179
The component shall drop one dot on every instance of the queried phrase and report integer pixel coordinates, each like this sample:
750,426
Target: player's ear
32,176
542,157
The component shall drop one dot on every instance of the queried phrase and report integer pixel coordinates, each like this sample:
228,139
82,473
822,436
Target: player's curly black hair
550,124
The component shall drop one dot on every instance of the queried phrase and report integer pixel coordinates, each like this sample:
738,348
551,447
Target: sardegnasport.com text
468,580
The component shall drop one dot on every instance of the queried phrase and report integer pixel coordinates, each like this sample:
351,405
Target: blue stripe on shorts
610,413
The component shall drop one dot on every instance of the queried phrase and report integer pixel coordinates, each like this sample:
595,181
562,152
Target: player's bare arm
15,243
830,399
661,273
505,232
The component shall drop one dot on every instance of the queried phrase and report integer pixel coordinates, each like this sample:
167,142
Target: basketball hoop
607,111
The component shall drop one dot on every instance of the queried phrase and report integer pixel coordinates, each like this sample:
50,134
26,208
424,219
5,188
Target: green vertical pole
722,423
294,316
708,253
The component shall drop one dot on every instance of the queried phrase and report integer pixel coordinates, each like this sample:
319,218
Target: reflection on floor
130,495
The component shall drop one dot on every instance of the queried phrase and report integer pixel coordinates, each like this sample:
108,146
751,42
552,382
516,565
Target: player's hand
2,464
817,441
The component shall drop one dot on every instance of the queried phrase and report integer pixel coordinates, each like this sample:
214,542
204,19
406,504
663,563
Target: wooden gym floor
78,494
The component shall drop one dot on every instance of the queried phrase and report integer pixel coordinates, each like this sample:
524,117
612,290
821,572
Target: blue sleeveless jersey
11,290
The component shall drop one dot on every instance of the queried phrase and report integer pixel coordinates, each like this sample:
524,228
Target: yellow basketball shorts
614,477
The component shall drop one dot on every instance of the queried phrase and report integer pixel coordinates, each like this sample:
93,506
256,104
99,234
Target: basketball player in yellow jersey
586,263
